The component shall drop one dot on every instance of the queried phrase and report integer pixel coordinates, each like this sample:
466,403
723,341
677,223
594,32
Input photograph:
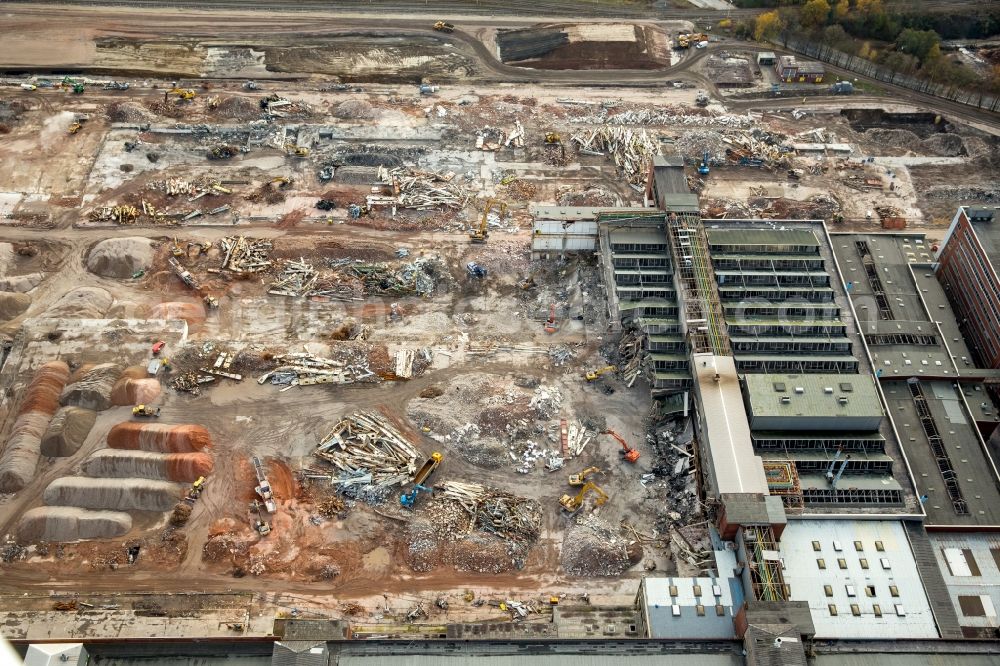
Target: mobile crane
571,504
630,454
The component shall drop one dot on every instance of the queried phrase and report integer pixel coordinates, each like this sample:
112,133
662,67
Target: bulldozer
594,374
572,503
581,478
444,26
628,453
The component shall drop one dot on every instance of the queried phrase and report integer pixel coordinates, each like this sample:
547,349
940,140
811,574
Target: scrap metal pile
368,453
495,511
349,279
305,369
630,149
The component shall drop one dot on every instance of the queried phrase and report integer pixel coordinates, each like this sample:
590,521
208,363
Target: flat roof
863,579
812,395
567,213
735,467
752,237
970,565
973,472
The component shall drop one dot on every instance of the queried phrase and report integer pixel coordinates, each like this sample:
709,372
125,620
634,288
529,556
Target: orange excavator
550,323
628,453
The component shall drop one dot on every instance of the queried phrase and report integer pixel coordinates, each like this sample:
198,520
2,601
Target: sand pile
115,463
192,313
21,283
65,523
127,112
135,387
593,547
159,438
13,304
67,432
116,494
354,109
82,303
92,389
120,257
41,400
238,108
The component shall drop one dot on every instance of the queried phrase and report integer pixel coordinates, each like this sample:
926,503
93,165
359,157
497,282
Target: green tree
923,44
767,27
815,13
870,7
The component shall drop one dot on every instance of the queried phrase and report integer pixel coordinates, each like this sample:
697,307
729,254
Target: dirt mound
127,112
64,523
115,463
946,145
238,108
41,400
896,138
354,109
135,387
593,547
159,438
120,257
585,46
12,304
92,389
192,313
67,431
21,283
82,303
117,494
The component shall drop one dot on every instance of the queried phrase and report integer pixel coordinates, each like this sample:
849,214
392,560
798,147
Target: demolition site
463,332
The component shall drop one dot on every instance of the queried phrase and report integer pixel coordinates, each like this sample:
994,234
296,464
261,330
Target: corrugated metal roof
751,237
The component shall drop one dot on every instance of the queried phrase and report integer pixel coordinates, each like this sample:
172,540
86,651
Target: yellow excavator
298,151
482,232
572,504
581,478
594,374
185,94
552,138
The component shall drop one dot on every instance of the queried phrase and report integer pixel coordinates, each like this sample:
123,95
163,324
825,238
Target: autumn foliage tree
767,26
814,13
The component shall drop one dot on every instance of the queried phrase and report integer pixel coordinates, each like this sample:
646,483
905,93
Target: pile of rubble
629,149
666,117
404,187
367,452
496,511
304,369
245,255
592,547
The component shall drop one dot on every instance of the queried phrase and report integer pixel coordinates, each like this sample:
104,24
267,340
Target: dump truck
428,468
444,26
145,411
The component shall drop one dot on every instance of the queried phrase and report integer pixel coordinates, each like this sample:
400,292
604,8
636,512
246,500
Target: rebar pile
368,451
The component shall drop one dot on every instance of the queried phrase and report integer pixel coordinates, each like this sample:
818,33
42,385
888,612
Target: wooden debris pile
629,149
417,190
304,369
495,511
367,451
245,255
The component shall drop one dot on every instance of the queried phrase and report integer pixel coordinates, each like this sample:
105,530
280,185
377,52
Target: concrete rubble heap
367,451
630,149
303,369
496,511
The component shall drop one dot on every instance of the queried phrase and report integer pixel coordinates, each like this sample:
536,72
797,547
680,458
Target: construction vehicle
409,499
263,488
176,250
427,469
581,478
701,99
185,94
198,485
444,26
480,234
298,151
116,85
572,503
687,39
145,411
475,270
74,127
262,527
158,347
628,453
29,86
281,182
550,323
594,374
703,168
552,138
428,89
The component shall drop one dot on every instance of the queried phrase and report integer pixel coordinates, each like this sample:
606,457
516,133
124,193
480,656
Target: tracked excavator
572,503
628,453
